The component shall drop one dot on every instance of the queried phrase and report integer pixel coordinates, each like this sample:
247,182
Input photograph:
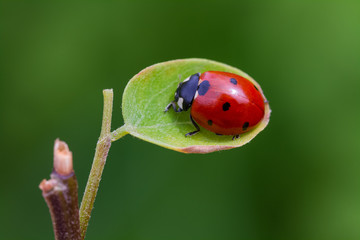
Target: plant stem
102,149
118,133
63,206
61,195
101,153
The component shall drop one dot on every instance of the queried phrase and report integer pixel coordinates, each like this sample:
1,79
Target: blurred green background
298,179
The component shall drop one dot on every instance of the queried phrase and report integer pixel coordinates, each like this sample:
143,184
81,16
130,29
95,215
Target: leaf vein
150,101
166,125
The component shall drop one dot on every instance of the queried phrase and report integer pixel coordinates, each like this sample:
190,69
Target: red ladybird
221,102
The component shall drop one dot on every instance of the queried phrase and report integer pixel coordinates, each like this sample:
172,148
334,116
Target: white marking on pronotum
180,102
196,94
187,79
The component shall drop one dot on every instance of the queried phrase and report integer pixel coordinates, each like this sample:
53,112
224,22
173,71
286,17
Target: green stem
118,133
101,153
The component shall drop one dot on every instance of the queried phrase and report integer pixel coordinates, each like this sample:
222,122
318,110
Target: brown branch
61,195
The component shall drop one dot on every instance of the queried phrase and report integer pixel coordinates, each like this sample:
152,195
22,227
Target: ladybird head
186,90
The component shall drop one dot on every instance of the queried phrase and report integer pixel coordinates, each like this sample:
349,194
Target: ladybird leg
195,125
218,134
235,137
172,104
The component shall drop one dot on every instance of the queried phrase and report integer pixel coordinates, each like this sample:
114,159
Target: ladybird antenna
179,77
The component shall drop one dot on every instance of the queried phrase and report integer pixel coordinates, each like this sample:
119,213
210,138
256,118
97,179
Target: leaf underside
150,91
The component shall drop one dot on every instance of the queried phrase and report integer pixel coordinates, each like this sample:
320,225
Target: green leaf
149,92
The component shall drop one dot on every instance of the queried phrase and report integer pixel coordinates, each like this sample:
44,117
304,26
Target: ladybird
221,102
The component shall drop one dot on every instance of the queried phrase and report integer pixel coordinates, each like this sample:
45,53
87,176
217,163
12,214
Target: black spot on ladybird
233,81
245,126
203,87
209,122
256,88
226,106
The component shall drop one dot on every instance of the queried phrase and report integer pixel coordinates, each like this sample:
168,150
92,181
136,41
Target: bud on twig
61,194
63,162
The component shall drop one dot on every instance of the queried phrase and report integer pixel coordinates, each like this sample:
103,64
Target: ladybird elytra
221,102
